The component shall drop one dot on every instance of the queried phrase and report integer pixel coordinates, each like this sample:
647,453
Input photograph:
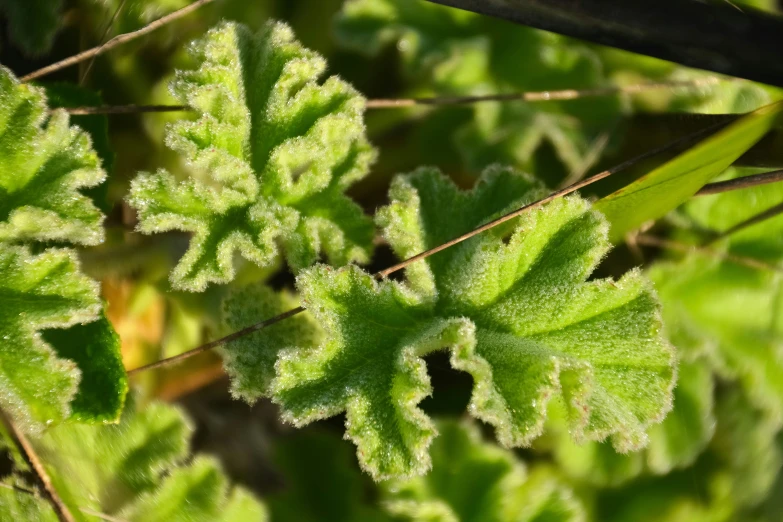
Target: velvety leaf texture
278,150
472,481
511,305
40,292
43,164
32,23
134,472
250,360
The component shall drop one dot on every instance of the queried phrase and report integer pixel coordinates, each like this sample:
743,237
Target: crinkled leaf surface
475,481
513,307
250,360
321,482
132,471
277,150
32,24
43,163
675,443
36,293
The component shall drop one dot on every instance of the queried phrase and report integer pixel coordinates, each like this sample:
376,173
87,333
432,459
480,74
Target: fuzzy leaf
44,163
250,360
36,293
475,481
131,471
513,307
674,443
279,150
32,24
322,482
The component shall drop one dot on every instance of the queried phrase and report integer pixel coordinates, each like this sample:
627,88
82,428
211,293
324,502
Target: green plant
601,371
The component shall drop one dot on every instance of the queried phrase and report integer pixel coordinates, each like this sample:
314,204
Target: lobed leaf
250,360
44,163
37,293
279,150
513,308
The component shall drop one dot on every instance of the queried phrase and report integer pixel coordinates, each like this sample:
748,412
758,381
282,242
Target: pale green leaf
511,305
44,163
36,293
676,181
473,481
250,360
279,150
32,24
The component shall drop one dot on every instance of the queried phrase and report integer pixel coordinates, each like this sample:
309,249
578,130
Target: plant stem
115,42
28,451
741,183
399,266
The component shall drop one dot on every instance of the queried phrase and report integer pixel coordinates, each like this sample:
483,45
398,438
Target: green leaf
132,471
44,163
32,24
322,482
37,293
721,212
279,150
95,348
512,306
730,315
250,360
675,443
475,481
676,181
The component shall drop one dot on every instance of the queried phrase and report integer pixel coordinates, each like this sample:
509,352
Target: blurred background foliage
728,442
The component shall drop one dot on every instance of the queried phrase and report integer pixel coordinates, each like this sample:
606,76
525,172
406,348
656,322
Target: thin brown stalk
753,220
125,109
109,25
539,96
741,183
568,94
28,451
399,266
115,42
669,244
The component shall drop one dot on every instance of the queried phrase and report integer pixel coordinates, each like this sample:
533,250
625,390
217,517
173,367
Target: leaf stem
532,96
116,41
741,183
399,266
669,244
753,220
28,451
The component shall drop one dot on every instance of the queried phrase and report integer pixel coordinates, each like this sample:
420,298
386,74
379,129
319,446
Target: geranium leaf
40,292
512,306
282,148
250,360
43,164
